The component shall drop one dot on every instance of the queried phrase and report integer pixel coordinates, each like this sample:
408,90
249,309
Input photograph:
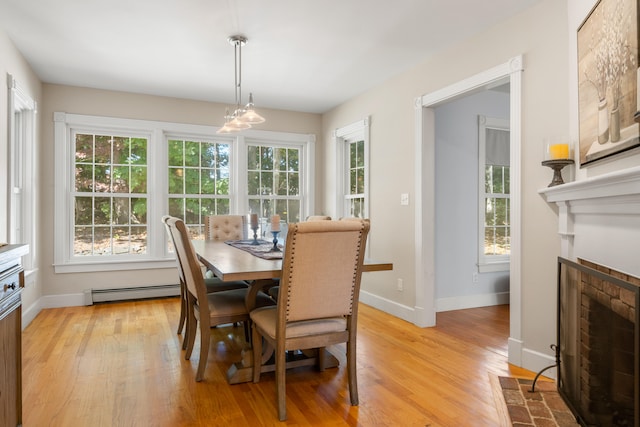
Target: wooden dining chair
213,284
318,299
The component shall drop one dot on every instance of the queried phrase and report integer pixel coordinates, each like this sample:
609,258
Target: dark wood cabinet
11,284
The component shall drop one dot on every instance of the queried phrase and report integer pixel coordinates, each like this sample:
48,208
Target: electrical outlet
474,277
400,285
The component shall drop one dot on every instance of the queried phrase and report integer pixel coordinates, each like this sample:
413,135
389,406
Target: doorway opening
426,252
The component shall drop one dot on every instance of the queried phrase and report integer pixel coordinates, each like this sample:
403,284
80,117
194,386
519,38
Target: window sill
494,267
93,266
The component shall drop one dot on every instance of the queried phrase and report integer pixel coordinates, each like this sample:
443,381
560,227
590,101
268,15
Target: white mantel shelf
616,192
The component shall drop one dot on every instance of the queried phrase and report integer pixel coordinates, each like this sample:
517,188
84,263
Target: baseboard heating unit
121,294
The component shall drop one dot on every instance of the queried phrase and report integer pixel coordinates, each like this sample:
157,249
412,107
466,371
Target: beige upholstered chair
318,301
205,310
273,291
225,227
318,218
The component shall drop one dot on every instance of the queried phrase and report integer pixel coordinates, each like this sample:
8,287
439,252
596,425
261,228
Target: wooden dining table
231,263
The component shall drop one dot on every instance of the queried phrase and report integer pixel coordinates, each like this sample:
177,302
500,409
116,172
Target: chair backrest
188,261
225,227
321,269
318,218
165,218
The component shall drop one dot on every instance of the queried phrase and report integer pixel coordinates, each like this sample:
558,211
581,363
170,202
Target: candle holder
557,166
255,235
275,247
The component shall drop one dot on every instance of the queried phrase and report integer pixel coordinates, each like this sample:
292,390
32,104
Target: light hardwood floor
121,364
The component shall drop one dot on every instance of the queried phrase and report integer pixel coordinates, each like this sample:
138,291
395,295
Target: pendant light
241,117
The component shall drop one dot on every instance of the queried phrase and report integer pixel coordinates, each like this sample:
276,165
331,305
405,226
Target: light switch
404,199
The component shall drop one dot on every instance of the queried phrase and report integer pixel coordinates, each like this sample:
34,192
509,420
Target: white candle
275,223
254,220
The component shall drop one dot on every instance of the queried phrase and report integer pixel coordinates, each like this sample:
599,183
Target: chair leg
183,311
205,339
190,335
322,357
351,371
281,391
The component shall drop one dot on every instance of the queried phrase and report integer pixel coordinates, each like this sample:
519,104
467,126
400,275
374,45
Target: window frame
357,131
488,263
22,171
158,134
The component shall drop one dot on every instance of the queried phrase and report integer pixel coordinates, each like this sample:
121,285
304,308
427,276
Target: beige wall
541,36
134,106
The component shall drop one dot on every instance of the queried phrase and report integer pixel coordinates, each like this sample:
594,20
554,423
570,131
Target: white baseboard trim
471,301
398,310
536,362
514,349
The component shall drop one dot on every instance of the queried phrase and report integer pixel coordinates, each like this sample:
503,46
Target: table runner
262,250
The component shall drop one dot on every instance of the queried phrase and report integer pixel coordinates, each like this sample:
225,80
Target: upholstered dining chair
205,310
318,299
318,218
273,291
225,227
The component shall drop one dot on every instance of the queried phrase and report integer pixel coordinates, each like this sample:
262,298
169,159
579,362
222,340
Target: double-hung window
116,178
352,144
494,195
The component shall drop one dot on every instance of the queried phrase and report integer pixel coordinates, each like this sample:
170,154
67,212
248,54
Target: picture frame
608,80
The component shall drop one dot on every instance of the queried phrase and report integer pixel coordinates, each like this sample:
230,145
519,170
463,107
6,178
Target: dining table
257,263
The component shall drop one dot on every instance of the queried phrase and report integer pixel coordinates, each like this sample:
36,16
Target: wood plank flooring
121,364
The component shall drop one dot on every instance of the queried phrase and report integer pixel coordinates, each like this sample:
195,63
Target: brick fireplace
599,227
599,337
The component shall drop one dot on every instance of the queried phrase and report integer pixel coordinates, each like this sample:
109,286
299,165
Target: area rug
519,407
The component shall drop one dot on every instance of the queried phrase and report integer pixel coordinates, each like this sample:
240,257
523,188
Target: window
22,172
199,175
273,177
353,180
494,191
116,178
110,194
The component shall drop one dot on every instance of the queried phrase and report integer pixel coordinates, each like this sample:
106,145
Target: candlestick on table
275,223
254,227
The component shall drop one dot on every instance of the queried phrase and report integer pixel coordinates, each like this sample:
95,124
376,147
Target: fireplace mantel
599,219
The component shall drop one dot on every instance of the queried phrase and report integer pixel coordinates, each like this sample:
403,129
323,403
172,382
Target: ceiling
301,55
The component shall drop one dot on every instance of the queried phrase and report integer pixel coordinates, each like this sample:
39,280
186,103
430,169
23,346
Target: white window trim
357,130
487,263
22,172
158,134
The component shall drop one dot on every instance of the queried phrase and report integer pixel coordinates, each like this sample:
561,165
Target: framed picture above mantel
607,80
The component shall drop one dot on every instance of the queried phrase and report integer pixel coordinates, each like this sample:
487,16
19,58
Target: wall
456,203
12,62
62,289
540,34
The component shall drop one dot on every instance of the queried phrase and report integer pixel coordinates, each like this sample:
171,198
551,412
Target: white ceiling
302,55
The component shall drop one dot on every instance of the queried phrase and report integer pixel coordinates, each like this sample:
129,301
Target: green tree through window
110,197
198,181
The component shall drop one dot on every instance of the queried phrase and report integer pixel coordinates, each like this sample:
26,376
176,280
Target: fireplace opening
598,343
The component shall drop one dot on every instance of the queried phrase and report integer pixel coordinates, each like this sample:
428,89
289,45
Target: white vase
603,121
